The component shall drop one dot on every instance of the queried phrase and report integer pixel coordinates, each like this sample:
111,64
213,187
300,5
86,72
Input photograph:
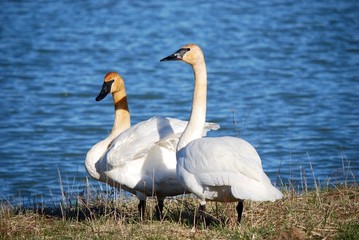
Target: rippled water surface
283,75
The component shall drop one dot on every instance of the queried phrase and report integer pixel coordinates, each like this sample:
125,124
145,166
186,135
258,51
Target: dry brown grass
319,214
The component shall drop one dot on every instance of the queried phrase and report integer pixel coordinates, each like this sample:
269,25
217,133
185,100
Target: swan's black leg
141,209
202,213
240,210
159,209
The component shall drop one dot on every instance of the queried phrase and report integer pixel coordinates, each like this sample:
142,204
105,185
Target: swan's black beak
172,57
106,89
177,56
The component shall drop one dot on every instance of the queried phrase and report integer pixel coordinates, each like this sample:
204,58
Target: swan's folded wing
219,178
221,155
132,143
136,142
210,180
170,142
242,187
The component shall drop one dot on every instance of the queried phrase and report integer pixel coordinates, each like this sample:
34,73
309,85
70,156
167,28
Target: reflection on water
283,76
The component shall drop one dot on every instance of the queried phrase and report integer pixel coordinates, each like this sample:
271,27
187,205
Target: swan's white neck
197,119
122,121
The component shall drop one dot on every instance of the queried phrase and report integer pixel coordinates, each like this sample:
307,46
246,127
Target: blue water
283,75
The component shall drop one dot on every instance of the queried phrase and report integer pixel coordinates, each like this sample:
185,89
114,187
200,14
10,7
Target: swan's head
113,82
190,53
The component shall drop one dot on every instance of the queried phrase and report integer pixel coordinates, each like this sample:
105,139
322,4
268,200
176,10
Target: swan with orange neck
140,159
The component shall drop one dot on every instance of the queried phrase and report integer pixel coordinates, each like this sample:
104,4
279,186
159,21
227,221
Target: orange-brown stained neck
122,115
122,119
118,90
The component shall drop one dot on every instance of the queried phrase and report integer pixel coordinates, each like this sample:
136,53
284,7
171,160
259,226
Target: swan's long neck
122,121
197,119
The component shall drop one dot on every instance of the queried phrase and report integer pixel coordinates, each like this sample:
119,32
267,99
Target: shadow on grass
183,210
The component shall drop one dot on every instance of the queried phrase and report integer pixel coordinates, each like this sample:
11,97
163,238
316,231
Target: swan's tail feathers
260,192
276,194
210,127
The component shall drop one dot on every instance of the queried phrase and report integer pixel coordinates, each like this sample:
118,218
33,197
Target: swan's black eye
183,50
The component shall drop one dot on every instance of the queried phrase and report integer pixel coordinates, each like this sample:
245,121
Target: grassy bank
319,214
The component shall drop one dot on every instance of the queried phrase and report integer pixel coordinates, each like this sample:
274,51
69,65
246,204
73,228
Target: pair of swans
140,159
175,157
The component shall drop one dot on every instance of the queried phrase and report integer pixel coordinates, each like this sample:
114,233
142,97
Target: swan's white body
224,169
140,159
220,169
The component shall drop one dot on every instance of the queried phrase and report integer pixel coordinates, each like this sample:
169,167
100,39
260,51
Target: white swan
219,169
113,83
139,159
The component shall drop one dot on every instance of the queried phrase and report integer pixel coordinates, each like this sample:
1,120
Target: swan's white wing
170,142
224,154
136,142
242,187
